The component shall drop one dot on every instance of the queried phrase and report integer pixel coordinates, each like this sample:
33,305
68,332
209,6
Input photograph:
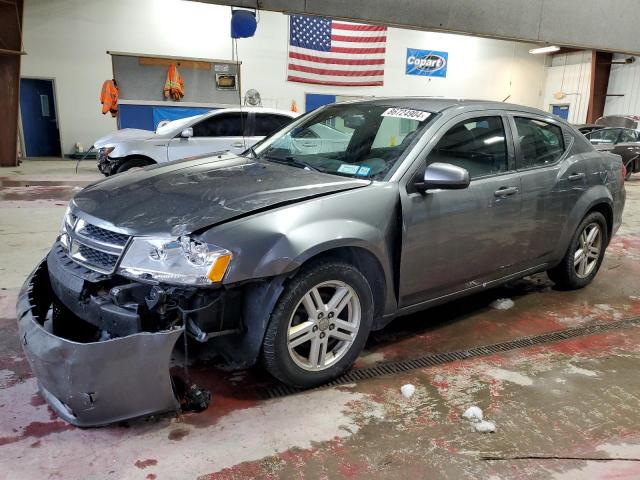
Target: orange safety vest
109,98
174,86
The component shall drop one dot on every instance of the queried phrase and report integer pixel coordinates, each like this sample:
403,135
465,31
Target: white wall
67,40
625,80
571,74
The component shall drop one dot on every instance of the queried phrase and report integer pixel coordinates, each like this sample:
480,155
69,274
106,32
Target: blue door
561,110
39,119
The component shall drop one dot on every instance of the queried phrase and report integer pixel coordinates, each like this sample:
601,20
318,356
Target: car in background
619,141
319,138
588,128
613,136
230,129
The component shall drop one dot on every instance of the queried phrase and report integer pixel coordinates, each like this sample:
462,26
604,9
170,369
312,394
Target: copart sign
428,63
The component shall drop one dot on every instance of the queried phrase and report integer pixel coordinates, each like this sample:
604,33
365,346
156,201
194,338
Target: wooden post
600,71
11,14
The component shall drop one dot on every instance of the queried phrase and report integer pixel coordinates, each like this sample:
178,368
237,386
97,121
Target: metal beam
584,24
11,40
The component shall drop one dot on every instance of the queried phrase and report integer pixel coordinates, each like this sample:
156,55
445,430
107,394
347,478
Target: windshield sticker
347,168
363,171
406,113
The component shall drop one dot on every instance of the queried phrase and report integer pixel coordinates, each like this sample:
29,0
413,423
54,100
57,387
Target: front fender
154,150
279,241
288,252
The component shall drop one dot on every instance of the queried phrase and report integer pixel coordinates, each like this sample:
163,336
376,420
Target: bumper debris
95,382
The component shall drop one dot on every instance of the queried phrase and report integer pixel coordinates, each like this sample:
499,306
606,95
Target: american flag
330,52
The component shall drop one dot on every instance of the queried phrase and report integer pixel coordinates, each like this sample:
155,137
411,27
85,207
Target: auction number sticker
418,115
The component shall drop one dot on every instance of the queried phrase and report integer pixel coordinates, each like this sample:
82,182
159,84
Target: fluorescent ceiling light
491,140
549,49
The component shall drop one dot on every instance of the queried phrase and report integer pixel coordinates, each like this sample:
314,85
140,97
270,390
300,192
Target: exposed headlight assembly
182,261
67,224
105,151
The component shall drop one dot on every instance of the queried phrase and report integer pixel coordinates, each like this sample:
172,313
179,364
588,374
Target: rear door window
478,145
541,143
266,124
222,125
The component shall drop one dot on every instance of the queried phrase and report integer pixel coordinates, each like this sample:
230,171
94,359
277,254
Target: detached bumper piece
91,382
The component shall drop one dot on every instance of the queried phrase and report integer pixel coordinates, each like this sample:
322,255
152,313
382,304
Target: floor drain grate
390,368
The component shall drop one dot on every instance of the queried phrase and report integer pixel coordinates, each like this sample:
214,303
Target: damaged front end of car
99,323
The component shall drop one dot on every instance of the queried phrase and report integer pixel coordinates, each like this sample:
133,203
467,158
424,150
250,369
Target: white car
229,129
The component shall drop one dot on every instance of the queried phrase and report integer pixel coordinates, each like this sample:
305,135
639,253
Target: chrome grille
94,247
102,235
92,257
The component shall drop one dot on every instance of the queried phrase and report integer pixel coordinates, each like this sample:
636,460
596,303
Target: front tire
319,325
136,162
584,256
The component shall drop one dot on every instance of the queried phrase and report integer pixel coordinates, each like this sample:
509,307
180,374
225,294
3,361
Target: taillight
624,172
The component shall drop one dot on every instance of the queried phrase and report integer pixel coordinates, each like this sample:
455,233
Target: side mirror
187,133
443,176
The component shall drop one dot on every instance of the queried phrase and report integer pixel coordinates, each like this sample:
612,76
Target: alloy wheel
585,258
323,325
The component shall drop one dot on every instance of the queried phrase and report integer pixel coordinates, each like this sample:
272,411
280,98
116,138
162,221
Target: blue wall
147,117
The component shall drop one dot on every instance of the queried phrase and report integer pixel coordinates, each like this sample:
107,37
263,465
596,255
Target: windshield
176,124
356,140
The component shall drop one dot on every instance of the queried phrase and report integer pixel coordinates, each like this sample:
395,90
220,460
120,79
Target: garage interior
556,371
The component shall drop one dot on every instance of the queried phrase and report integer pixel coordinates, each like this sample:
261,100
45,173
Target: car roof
437,105
247,108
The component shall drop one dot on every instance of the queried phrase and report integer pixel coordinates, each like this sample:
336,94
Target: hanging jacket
109,97
174,86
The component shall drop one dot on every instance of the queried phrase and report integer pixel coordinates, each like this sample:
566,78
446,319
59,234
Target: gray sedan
294,256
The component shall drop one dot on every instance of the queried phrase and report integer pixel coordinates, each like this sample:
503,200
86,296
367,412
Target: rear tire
629,169
319,325
584,256
136,162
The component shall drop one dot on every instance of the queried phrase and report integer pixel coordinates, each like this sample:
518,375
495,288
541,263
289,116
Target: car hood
186,196
123,135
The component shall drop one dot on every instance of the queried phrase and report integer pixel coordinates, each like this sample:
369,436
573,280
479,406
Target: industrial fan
252,97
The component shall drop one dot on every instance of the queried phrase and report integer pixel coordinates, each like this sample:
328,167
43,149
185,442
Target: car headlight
67,224
182,261
104,151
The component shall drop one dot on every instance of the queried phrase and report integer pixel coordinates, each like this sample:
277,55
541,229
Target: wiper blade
250,150
292,161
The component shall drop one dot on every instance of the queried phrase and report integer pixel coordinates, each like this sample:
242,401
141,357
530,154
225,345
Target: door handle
506,191
575,176
237,144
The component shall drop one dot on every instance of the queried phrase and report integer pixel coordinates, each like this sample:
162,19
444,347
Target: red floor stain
38,430
178,434
151,476
226,397
146,463
353,469
37,400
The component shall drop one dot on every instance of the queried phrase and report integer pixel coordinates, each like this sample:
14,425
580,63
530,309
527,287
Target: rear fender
598,194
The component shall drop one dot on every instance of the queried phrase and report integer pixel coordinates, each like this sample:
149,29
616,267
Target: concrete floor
563,410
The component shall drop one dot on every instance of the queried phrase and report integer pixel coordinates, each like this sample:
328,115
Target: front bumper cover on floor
97,383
